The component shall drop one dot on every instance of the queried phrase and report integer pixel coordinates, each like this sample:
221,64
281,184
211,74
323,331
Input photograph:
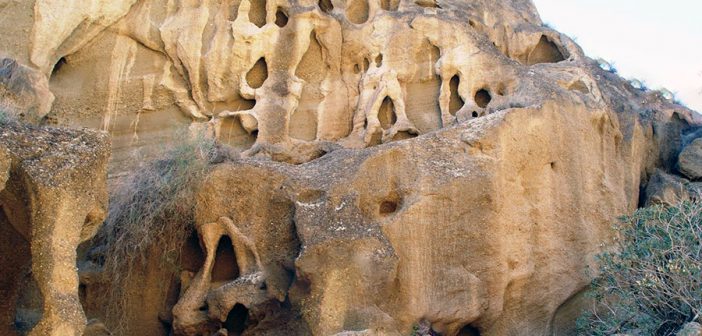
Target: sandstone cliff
393,163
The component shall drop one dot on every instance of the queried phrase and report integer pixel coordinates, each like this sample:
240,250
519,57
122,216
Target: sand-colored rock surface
395,164
53,196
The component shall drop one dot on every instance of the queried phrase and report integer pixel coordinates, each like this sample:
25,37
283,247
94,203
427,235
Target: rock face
690,161
24,92
450,165
53,196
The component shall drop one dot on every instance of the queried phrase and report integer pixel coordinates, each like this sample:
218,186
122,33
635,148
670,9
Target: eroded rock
54,198
690,160
456,164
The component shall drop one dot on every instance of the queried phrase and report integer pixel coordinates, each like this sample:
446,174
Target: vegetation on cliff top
151,212
652,283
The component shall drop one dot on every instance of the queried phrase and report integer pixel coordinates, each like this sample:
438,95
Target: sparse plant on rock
151,211
606,66
652,283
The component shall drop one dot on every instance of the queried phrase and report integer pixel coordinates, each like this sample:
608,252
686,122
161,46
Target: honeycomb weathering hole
388,207
57,67
236,319
404,135
545,52
225,267
258,74
326,6
469,331
257,14
386,114
483,98
390,5
281,19
455,102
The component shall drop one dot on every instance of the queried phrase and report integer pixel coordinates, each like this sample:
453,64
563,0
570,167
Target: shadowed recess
258,74
455,102
386,114
545,52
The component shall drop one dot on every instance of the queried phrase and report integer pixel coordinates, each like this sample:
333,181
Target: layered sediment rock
446,164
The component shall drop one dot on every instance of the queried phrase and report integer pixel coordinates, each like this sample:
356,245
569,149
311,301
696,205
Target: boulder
666,189
690,160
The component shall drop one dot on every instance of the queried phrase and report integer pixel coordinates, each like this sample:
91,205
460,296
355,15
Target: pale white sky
659,42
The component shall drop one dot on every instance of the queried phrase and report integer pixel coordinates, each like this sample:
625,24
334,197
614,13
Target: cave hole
404,135
326,6
258,73
390,5
387,207
57,67
366,64
379,60
386,114
483,98
455,102
356,69
475,114
471,23
225,267
545,52
236,319
257,14
468,330
281,19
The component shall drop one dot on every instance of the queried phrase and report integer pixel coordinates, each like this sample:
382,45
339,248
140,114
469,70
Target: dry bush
652,283
151,211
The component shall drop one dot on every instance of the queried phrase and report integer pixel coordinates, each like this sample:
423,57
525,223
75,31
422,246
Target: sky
658,42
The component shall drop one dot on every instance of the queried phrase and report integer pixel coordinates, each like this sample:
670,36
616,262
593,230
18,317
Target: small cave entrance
404,135
326,6
545,52
281,19
225,267
468,330
455,102
379,60
258,73
386,114
483,98
57,67
387,207
237,319
390,204
257,14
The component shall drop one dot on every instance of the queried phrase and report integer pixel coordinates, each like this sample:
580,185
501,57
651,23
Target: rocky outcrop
24,92
446,165
690,161
53,196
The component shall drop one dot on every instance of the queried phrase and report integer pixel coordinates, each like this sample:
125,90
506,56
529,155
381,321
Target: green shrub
651,284
151,211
